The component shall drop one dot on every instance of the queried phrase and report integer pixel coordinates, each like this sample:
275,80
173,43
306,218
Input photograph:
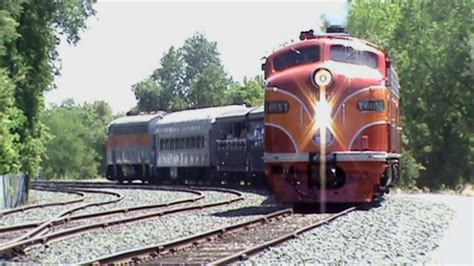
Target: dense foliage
431,43
76,146
29,34
193,76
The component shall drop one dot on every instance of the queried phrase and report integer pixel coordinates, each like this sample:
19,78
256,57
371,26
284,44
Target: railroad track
44,226
19,247
227,244
81,198
75,220
99,185
87,185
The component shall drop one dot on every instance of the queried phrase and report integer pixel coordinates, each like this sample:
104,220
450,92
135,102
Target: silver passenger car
185,142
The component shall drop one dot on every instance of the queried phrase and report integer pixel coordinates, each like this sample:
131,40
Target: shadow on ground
248,211
270,204
336,207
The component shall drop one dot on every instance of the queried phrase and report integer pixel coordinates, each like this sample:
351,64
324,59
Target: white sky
125,41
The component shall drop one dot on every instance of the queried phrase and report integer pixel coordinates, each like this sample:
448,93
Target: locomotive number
277,107
371,105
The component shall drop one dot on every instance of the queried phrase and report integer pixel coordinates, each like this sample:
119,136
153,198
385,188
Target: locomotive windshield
348,54
296,57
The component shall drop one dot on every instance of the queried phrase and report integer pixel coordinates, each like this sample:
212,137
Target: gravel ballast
118,238
136,197
43,197
401,230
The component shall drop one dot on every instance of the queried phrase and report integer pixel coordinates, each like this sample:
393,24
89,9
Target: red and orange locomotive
332,120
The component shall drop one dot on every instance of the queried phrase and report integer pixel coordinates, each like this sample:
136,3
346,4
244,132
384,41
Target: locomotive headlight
322,77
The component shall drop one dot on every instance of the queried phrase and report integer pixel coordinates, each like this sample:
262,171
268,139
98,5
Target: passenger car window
348,54
173,144
198,142
188,143
296,57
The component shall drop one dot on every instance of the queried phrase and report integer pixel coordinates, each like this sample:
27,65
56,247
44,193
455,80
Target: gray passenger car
239,146
257,127
185,142
231,145
130,147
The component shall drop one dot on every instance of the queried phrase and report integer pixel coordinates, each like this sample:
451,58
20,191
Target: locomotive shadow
270,205
335,207
254,210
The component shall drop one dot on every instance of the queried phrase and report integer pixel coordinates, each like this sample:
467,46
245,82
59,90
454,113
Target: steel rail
43,205
244,254
111,185
99,185
147,253
133,255
13,248
38,230
64,220
91,184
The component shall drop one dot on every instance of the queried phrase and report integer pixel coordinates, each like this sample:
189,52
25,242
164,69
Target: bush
410,170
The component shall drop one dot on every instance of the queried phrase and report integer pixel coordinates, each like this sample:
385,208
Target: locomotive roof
342,39
203,115
136,119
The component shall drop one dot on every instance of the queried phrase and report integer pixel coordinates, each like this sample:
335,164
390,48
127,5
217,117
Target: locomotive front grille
333,176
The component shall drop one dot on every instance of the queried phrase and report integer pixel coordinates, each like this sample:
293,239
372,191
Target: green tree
9,114
250,93
198,54
10,118
430,45
190,76
170,77
68,153
149,96
208,88
98,117
29,32
76,146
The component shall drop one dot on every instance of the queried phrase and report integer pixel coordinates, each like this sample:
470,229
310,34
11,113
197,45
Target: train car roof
202,115
256,112
234,114
136,119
